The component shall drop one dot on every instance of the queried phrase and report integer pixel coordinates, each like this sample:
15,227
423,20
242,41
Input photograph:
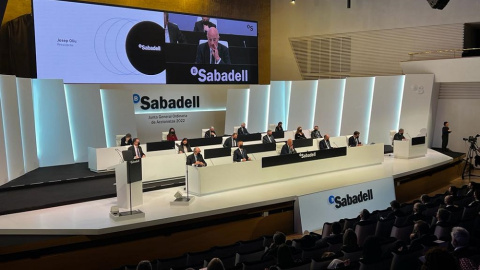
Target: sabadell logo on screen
182,102
351,199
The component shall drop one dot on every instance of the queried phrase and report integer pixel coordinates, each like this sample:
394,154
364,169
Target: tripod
469,161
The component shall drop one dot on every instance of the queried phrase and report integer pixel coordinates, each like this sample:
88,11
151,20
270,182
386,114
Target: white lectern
414,148
128,176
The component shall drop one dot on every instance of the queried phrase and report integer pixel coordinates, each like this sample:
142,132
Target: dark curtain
17,48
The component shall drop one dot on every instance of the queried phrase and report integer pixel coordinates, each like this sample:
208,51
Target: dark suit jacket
203,54
352,142
299,136
242,131
180,148
123,143
191,159
398,137
175,34
265,139
132,149
424,240
316,134
237,156
199,26
209,134
285,150
445,132
278,128
229,143
323,144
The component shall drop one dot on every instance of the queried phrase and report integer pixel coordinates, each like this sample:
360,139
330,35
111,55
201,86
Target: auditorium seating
248,254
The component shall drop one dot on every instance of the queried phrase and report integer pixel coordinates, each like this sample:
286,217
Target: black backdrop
17,48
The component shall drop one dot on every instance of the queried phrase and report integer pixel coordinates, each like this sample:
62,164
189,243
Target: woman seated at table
171,135
184,147
299,134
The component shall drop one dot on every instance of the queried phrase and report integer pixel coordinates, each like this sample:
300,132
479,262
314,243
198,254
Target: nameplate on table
249,137
303,157
418,140
159,146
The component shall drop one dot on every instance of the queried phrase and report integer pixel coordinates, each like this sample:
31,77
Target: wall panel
27,123
237,109
12,132
54,142
84,106
258,108
302,104
329,106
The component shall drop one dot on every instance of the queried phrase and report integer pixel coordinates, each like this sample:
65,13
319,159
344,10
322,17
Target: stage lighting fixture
349,3
293,2
438,4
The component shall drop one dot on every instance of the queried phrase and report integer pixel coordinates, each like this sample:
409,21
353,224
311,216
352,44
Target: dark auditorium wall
237,9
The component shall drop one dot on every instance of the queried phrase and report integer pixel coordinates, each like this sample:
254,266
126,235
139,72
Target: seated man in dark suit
354,140
335,238
325,143
242,130
212,52
396,211
240,155
210,133
288,148
399,135
196,159
418,209
461,244
172,33
279,127
315,134
136,149
203,25
231,142
268,138
421,236
126,140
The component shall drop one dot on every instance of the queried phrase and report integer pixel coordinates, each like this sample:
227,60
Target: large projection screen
94,43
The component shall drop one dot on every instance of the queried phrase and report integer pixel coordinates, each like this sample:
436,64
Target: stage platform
92,218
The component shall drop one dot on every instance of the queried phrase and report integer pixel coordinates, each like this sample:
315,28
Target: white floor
91,218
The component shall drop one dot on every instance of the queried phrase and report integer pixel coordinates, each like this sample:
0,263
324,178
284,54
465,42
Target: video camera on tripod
472,139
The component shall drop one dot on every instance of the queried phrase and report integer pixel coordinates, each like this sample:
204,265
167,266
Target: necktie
328,144
270,140
138,152
195,158
234,143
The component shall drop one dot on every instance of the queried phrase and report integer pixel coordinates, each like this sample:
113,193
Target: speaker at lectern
128,177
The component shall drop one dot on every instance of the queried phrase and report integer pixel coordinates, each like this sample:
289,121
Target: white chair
212,20
203,132
164,135
223,42
118,139
235,129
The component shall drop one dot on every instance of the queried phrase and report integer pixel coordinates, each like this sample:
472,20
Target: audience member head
136,141
395,205
425,198
197,151
401,131
290,142
240,144
215,264
299,129
418,208
364,214
243,125
336,228
453,190
279,124
448,200
315,128
443,215
350,238
171,131
460,237
372,251
284,256
326,137
438,258
185,141
128,136
144,265
421,228
269,132
212,128
279,238
234,135
356,134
